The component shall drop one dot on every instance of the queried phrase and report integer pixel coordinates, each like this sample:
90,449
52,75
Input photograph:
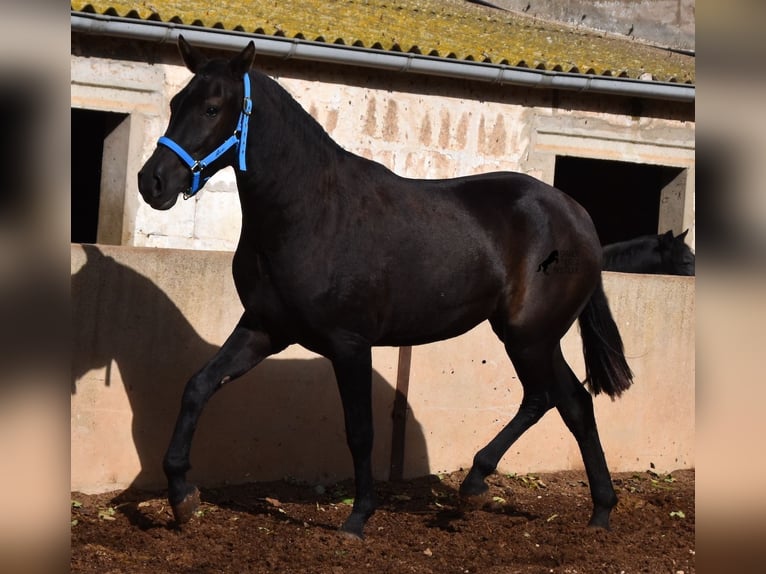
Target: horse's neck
292,146
292,163
638,254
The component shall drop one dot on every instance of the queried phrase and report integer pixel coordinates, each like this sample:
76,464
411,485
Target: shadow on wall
284,418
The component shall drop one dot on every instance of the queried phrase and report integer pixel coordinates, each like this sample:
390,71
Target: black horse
655,254
339,254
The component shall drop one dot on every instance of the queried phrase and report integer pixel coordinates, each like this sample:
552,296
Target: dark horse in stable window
653,254
339,254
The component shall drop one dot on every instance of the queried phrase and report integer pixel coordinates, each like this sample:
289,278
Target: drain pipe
286,48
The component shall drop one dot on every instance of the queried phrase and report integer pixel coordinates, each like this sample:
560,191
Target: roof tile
443,28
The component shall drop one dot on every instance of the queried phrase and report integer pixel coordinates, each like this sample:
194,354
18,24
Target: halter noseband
239,138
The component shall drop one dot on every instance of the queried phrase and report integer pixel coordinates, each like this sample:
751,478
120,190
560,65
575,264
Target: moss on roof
443,28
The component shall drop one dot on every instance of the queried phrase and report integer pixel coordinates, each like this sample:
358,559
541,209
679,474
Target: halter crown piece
239,138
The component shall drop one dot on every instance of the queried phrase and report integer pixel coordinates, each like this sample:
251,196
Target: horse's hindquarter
550,248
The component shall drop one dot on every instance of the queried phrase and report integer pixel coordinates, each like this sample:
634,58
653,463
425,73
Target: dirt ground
527,524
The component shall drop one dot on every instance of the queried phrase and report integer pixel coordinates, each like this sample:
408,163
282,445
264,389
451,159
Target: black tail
605,366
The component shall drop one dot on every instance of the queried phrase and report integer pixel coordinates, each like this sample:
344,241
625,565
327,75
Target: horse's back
507,218
532,218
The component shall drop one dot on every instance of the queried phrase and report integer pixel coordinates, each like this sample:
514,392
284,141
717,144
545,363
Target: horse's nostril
150,183
153,183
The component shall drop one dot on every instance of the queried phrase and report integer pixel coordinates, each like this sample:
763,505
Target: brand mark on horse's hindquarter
550,260
559,262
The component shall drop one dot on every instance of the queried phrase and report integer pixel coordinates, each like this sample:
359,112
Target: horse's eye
211,111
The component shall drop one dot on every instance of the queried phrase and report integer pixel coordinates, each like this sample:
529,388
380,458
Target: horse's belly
433,320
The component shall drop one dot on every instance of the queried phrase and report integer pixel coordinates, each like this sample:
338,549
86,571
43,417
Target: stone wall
420,127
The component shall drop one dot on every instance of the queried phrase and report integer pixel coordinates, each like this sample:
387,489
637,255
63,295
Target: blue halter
239,138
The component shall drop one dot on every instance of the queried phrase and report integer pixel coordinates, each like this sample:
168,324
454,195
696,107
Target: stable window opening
624,199
99,159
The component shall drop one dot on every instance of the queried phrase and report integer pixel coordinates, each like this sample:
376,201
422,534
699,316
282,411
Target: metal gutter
286,48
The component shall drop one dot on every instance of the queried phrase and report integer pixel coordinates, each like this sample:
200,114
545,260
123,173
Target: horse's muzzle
154,191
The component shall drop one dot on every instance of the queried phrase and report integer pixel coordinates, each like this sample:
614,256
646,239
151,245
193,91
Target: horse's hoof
473,494
349,535
184,510
599,521
473,484
353,528
599,526
473,501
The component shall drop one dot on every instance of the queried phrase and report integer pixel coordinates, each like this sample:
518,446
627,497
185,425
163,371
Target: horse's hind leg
245,348
575,405
353,371
533,366
548,381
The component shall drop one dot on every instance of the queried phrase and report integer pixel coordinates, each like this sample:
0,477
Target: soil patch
527,524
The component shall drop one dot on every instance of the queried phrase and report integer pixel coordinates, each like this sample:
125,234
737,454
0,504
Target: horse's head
205,133
677,257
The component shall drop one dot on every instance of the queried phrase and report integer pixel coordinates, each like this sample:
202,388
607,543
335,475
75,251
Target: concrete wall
664,22
145,319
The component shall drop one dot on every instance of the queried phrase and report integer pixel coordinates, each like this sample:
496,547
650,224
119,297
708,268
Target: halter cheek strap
239,138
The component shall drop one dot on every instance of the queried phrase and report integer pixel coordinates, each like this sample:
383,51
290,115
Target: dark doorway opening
623,198
89,130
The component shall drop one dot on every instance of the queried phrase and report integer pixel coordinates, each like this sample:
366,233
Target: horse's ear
192,57
665,240
242,62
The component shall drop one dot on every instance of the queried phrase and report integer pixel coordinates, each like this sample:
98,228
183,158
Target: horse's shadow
283,419
438,502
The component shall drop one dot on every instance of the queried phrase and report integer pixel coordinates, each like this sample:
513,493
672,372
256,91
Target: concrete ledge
146,319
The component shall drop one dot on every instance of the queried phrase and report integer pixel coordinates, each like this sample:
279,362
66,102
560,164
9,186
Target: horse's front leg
246,347
353,370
